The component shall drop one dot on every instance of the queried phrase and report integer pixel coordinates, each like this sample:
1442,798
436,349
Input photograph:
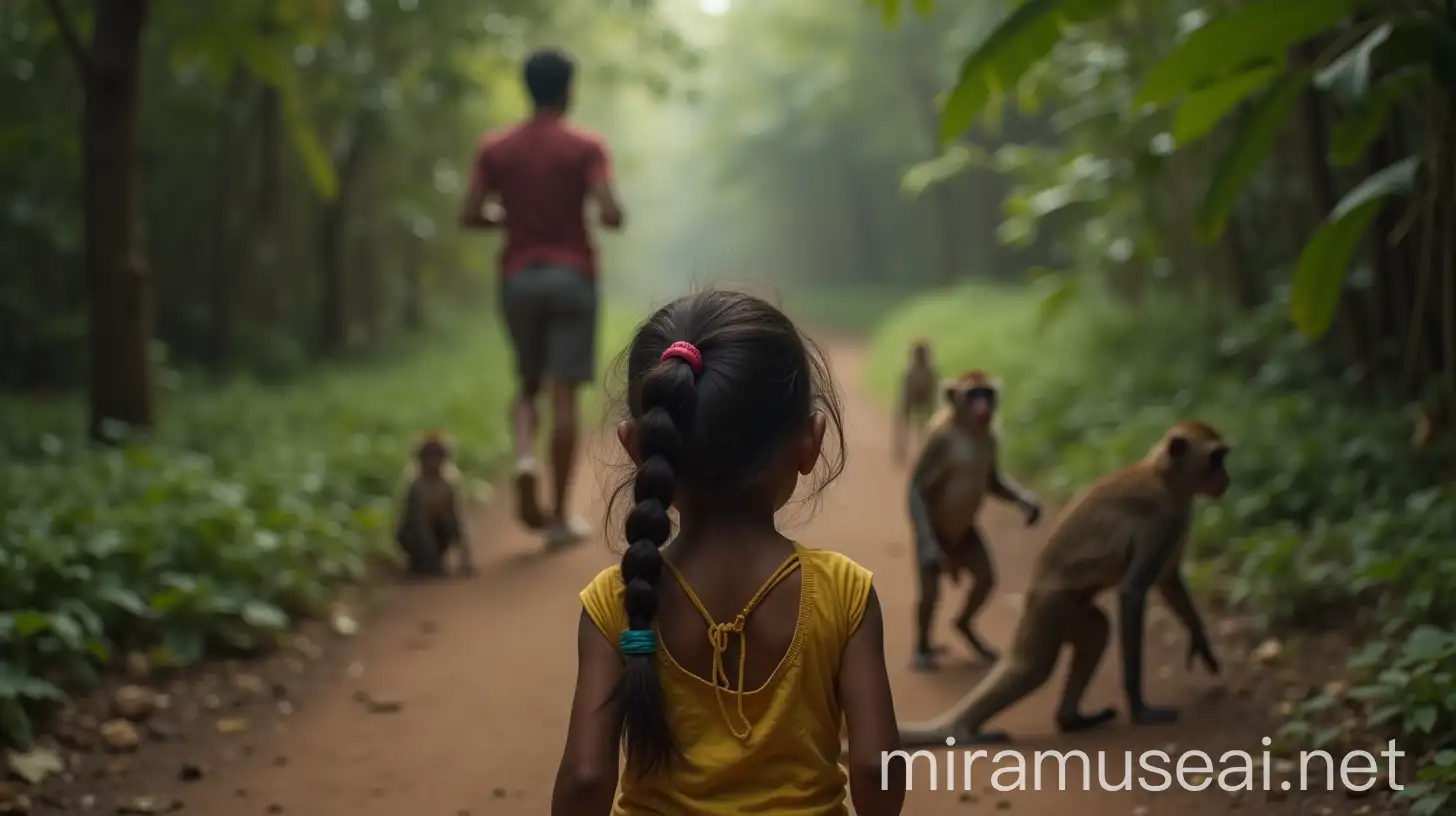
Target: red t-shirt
542,169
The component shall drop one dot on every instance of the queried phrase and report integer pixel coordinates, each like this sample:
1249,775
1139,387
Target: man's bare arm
608,207
478,212
601,189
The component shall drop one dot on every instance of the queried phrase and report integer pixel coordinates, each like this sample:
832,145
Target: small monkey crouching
430,524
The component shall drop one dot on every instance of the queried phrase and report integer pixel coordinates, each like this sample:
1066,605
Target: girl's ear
627,436
813,443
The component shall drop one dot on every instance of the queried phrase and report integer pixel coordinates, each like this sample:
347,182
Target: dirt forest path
484,668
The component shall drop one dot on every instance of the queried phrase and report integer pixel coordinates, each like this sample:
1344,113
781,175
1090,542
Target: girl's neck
733,531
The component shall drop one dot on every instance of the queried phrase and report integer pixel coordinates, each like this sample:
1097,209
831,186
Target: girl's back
774,748
727,661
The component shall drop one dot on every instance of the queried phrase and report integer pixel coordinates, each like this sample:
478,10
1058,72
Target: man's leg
523,306
570,363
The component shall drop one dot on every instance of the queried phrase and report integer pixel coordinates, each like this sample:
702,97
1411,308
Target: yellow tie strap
718,636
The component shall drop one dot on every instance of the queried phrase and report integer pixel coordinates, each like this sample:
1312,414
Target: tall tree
117,278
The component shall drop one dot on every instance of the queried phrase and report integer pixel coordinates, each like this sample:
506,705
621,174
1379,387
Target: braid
668,402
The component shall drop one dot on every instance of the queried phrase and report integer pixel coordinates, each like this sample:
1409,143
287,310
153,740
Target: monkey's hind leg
983,581
406,541
1025,668
1088,638
427,551
453,536
928,585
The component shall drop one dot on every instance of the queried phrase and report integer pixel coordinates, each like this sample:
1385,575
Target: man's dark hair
548,76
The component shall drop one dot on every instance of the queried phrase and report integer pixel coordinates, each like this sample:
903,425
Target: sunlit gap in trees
717,8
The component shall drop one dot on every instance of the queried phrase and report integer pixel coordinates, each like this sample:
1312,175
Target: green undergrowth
1331,519
250,507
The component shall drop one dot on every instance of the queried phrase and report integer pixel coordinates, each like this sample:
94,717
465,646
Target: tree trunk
923,90
1315,130
220,276
870,257
414,283
116,270
333,308
262,291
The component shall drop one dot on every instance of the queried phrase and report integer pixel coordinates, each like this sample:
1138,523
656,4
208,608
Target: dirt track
484,671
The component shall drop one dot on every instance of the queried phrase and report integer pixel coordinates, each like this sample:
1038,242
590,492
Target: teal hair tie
638,642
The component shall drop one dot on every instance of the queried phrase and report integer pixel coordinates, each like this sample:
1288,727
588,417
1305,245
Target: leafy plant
252,507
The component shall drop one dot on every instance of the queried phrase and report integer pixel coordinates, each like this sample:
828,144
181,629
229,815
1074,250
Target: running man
533,179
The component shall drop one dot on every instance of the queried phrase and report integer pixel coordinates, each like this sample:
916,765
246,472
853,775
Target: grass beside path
252,506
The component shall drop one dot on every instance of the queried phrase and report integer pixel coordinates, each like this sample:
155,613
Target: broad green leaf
957,159
1253,33
30,623
1430,805
1248,150
99,649
69,631
1348,77
310,149
1397,179
14,722
1024,37
1319,279
265,61
124,599
16,685
264,615
1205,108
1352,134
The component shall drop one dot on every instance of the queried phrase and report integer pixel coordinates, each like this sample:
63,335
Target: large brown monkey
955,471
1127,530
917,397
430,523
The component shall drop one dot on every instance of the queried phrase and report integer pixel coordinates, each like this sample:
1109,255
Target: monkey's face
1202,463
432,458
974,403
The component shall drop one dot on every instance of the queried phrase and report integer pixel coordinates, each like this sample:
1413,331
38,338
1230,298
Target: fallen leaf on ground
232,725
35,765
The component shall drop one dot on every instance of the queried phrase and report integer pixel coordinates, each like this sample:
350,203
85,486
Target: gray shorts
551,314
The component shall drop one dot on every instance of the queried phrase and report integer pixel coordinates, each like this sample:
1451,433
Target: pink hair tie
685,351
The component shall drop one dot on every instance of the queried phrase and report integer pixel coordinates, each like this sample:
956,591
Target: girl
726,661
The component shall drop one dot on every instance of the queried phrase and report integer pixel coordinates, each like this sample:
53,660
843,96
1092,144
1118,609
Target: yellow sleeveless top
774,749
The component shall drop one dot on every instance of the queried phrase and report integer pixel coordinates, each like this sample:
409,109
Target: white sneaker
567,532
528,508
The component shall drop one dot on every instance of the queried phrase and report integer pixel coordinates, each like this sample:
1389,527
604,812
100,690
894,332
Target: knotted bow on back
718,634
